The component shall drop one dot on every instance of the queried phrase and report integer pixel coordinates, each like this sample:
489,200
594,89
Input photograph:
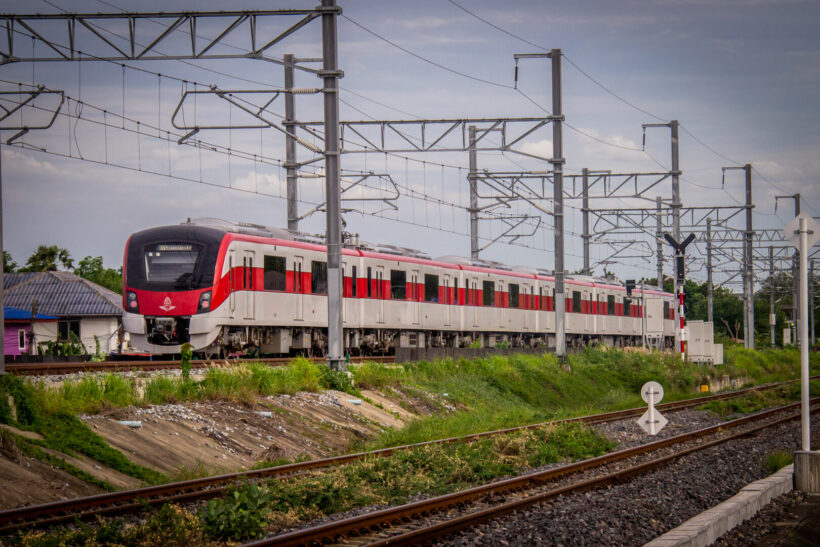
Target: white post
804,336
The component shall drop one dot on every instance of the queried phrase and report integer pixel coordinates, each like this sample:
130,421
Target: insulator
310,146
305,90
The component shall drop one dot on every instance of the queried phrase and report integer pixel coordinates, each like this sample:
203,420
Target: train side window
576,301
318,277
398,285
514,292
430,288
274,277
610,304
355,283
489,293
369,282
455,291
665,309
627,311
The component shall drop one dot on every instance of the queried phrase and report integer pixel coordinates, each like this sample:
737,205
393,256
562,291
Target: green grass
497,392
754,402
777,460
242,384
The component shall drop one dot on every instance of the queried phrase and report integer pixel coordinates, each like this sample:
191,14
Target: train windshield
172,264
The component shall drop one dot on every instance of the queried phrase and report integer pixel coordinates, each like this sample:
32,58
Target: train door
380,293
526,290
474,287
586,306
232,296
414,280
298,262
345,301
499,302
446,300
250,293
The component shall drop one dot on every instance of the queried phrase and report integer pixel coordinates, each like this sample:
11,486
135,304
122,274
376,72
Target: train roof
373,249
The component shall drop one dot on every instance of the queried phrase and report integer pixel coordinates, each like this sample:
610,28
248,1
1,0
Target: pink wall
11,337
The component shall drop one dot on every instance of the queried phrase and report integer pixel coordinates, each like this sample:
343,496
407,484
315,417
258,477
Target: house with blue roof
70,303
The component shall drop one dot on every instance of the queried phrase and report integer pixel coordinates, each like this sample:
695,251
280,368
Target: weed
777,460
185,354
240,515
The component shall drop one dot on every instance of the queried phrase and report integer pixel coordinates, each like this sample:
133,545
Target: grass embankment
21,406
51,411
498,392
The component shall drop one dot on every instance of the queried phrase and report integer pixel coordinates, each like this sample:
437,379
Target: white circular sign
653,388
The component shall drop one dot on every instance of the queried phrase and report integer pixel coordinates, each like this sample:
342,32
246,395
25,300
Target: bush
240,515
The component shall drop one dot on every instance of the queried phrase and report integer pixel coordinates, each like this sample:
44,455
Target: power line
425,59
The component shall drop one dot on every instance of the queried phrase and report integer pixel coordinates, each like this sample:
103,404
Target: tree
47,257
92,268
9,265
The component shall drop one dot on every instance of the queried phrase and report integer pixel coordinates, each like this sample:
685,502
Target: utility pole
795,268
585,212
659,240
557,162
2,303
471,178
772,317
676,202
748,265
811,299
748,286
330,75
290,146
709,301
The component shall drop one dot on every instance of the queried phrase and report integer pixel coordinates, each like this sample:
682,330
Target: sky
740,76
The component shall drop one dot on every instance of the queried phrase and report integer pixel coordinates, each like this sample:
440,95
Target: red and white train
225,287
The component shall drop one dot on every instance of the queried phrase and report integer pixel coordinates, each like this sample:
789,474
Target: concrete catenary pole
557,162
772,319
659,240
709,301
811,300
796,317
585,212
804,336
2,304
749,279
330,74
471,178
676,206
290,147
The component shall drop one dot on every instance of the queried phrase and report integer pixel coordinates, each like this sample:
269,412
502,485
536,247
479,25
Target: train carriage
225,287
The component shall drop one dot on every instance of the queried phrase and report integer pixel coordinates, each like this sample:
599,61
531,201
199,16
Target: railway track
196,489
418,522
43,369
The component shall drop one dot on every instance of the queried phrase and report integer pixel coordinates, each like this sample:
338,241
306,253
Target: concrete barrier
708,526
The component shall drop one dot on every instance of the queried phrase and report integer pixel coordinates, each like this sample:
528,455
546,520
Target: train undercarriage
311,341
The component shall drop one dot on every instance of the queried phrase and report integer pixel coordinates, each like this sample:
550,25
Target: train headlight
132,304
204,302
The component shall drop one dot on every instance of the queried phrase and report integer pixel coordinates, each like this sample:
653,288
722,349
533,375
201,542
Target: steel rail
41,369
135,499
465,521
335,532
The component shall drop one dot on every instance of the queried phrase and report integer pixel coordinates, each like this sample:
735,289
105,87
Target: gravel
637,511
